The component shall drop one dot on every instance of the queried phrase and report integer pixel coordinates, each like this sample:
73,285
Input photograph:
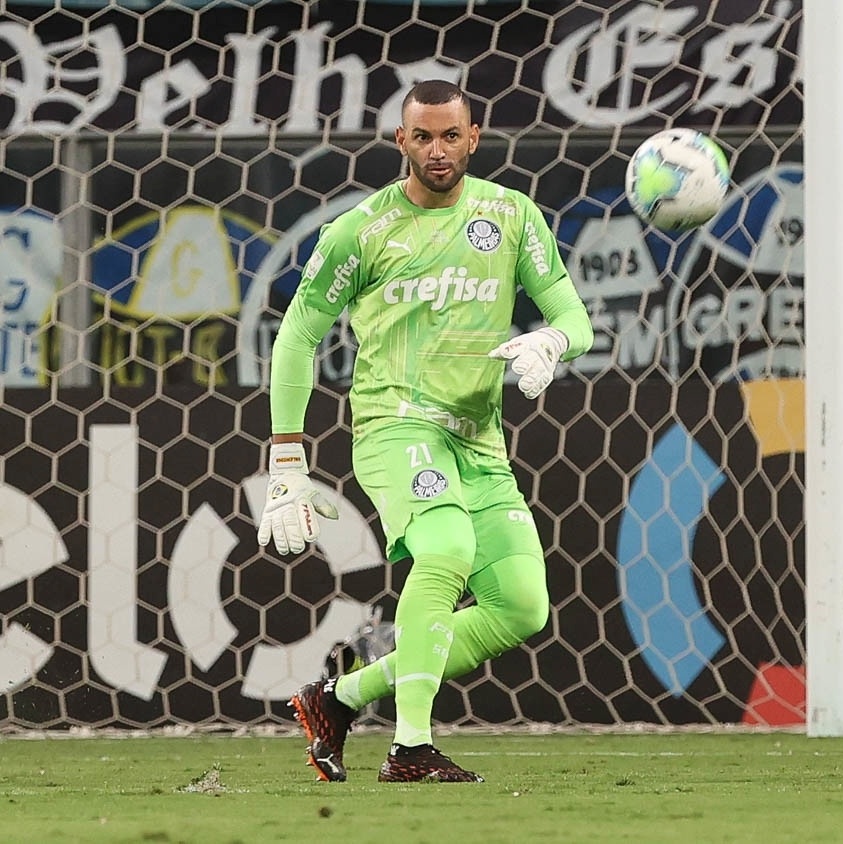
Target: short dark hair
436,92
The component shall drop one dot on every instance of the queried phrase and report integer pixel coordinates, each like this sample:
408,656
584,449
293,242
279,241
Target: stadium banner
133,592
195,294
31,246
297,67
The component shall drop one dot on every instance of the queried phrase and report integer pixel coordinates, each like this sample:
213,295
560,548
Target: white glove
292,501
536,355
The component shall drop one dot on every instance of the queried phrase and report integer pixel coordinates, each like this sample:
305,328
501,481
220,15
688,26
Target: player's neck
419,195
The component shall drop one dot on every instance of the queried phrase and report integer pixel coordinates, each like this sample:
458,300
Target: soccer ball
677,179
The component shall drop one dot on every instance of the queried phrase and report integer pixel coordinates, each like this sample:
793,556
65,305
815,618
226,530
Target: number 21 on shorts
419,455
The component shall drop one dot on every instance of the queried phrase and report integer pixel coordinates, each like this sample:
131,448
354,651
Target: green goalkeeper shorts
410,466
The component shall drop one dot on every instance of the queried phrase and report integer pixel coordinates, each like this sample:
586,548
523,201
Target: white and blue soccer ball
677,179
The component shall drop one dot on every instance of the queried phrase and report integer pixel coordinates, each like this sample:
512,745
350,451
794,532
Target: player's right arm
291,368
329,280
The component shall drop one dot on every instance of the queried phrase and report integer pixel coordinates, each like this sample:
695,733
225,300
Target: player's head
437,134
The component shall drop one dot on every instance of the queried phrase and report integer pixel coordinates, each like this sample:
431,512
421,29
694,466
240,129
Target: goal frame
664,468
822,38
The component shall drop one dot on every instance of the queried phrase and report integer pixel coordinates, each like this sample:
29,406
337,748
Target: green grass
681,787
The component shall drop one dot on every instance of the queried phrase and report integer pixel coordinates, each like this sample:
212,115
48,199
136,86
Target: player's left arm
544,277
292,503
329,280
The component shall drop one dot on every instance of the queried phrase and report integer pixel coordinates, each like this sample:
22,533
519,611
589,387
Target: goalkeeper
428,268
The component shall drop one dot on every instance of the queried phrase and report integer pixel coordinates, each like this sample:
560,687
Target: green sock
367,684
423,636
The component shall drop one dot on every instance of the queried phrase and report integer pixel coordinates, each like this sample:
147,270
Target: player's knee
526,618
525,609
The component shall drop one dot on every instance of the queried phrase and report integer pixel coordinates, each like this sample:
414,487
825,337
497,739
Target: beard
444,183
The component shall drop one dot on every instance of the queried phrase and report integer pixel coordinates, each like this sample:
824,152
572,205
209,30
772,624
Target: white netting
165,171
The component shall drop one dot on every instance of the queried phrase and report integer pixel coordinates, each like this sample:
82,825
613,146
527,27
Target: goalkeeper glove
535,357
292,501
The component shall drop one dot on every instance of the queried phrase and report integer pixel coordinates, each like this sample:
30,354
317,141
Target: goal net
165,172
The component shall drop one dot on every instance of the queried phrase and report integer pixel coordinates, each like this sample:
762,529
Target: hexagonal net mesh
165,173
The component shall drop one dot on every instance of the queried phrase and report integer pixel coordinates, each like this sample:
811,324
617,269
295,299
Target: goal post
822,44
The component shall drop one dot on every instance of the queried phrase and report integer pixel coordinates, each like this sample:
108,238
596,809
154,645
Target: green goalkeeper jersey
429,293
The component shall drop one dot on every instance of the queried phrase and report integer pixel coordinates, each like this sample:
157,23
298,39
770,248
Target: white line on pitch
633,754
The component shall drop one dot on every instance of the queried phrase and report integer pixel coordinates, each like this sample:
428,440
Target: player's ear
473,138
400,137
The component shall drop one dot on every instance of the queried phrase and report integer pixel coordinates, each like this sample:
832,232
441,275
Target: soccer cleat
422,764
326,722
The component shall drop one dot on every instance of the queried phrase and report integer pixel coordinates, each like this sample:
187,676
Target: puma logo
397,244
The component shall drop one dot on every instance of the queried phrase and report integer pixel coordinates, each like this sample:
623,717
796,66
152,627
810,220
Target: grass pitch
771,788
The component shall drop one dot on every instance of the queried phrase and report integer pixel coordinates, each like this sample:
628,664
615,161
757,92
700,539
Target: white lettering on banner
622,338
743,315
247,51
44,80
651,37
155,102
741,53
310,71
30,271
453,283
196,566
31,544
342,278
773,318
647,37
535,249
738,64
115,653
610,259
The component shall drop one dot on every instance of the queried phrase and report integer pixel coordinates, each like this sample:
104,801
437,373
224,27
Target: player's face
438,141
